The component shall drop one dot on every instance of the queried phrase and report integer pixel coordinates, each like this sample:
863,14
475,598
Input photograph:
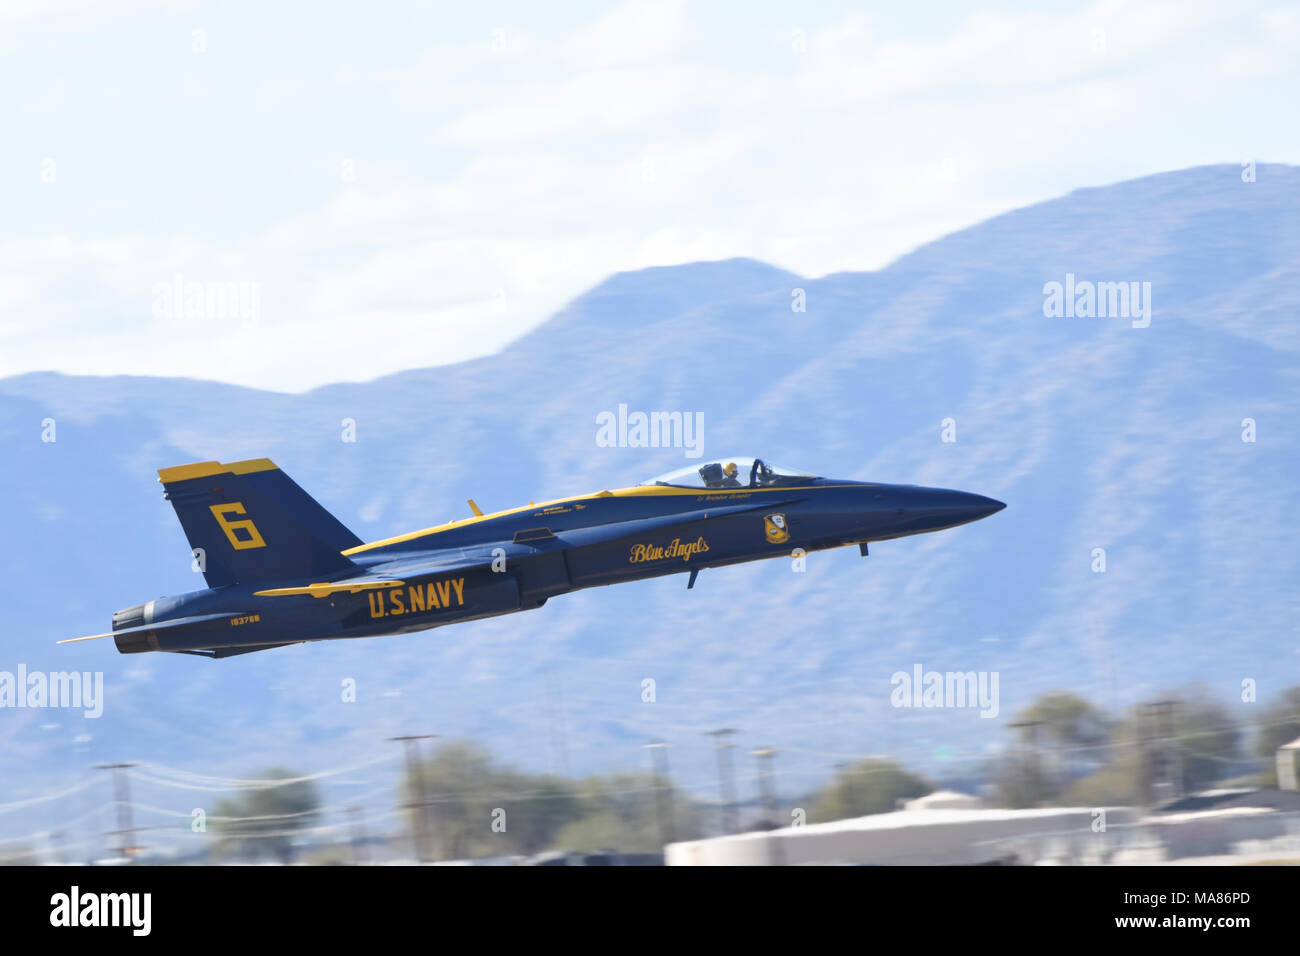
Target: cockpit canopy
732,473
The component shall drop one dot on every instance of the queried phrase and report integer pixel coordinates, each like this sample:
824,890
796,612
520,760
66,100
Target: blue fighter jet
282,570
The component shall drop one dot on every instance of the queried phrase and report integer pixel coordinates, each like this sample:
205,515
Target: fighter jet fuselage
282,570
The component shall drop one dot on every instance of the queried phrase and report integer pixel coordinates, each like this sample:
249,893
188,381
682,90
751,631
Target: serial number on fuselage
418,598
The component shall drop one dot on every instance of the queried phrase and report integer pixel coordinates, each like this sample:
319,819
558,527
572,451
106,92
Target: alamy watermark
130,910
80,689
626,429
188,299
1081,298
946,689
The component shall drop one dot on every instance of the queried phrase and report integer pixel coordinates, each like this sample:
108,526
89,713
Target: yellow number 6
229,527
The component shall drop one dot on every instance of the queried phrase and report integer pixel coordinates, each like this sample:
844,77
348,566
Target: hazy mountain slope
1097,434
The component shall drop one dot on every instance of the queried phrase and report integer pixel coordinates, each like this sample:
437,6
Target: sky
284,196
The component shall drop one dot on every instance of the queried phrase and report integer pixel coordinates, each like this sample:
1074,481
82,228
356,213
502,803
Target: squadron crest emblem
777,531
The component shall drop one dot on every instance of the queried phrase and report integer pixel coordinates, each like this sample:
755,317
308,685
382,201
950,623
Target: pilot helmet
730,469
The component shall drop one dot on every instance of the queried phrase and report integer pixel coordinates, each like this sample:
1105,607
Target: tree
478,808
1059,738
1020,780
265,820
1278,724
19,856
619,813
1207,740
869,786
1181,737
1074,727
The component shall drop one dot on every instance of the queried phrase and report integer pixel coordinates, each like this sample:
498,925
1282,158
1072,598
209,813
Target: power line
187,780
46,798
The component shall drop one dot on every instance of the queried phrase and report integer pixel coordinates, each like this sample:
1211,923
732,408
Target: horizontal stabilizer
219,652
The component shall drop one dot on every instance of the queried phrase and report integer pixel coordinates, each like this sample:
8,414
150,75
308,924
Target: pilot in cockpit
730,481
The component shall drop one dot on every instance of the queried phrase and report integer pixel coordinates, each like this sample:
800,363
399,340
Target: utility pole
122,799
1166,761
663,791
555,716
415,773
726,779
850,788
766,790
82,743
1142,731
1029,775
359,853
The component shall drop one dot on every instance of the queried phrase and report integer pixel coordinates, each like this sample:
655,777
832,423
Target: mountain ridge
1095,433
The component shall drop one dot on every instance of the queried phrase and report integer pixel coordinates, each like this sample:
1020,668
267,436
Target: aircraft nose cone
979,506
944,508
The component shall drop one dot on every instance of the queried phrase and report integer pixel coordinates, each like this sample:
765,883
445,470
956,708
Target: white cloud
498,174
